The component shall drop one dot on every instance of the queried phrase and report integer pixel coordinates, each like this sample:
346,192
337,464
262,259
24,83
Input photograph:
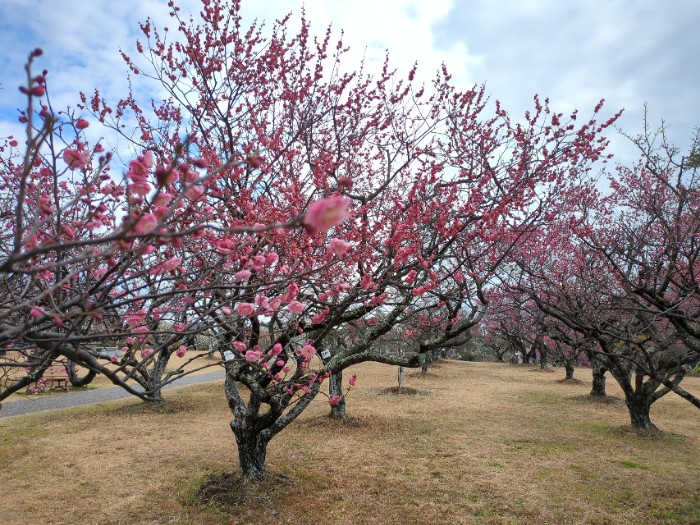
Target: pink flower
171,264
75,158
410,276
240,346
252,355
352,380
280,362
36,312
319,317
334,400
295,307
308,351
242,275
271,258
162,199
338,247
147,352
245,309
81,123
194,192
134,319
226,310
276,350
366,282
146,223
181,351
323,214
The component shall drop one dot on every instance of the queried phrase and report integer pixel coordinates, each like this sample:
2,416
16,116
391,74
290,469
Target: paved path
99,395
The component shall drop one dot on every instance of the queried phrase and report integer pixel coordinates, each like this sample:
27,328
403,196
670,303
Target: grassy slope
482,443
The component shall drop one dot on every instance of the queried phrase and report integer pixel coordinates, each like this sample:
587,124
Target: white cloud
575,53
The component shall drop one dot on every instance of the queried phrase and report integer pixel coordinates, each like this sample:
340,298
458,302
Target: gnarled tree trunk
569,367
599,370
335,388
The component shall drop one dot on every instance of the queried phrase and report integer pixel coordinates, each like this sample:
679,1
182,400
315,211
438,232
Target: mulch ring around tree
348,422
230,489
598,400
573,381
405,391
155,407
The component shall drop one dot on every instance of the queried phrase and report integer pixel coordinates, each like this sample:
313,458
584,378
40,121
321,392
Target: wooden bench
54,377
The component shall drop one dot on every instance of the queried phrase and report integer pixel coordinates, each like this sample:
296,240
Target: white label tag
228,356
325,353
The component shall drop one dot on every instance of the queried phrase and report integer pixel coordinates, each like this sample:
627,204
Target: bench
54,377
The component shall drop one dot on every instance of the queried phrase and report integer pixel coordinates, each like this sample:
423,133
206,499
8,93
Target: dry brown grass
481,444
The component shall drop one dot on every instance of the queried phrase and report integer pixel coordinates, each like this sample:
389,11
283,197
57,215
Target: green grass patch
632,464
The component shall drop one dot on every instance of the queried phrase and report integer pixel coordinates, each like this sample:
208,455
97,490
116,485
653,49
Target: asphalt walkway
86,397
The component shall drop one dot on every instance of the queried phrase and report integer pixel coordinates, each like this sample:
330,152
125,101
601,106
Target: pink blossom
134,319
36,312
146,223
352,380
262,300
323,214
147,352
242,275
81,123
338,247
366,282
170,264
257,262
319,317
240,346
334,400
271,258
252,355
162,199
276,350
280,362
308,351
179,327
226,310
245,309
275,304
295,307
410,276
194,192
75,158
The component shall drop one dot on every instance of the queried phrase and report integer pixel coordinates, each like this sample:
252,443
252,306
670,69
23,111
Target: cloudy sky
574,52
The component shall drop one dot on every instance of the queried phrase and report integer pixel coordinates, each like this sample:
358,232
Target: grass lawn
479,443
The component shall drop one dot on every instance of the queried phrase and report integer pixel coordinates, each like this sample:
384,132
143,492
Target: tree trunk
401,374
569,370
639,407
598,388
252,451
335,388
